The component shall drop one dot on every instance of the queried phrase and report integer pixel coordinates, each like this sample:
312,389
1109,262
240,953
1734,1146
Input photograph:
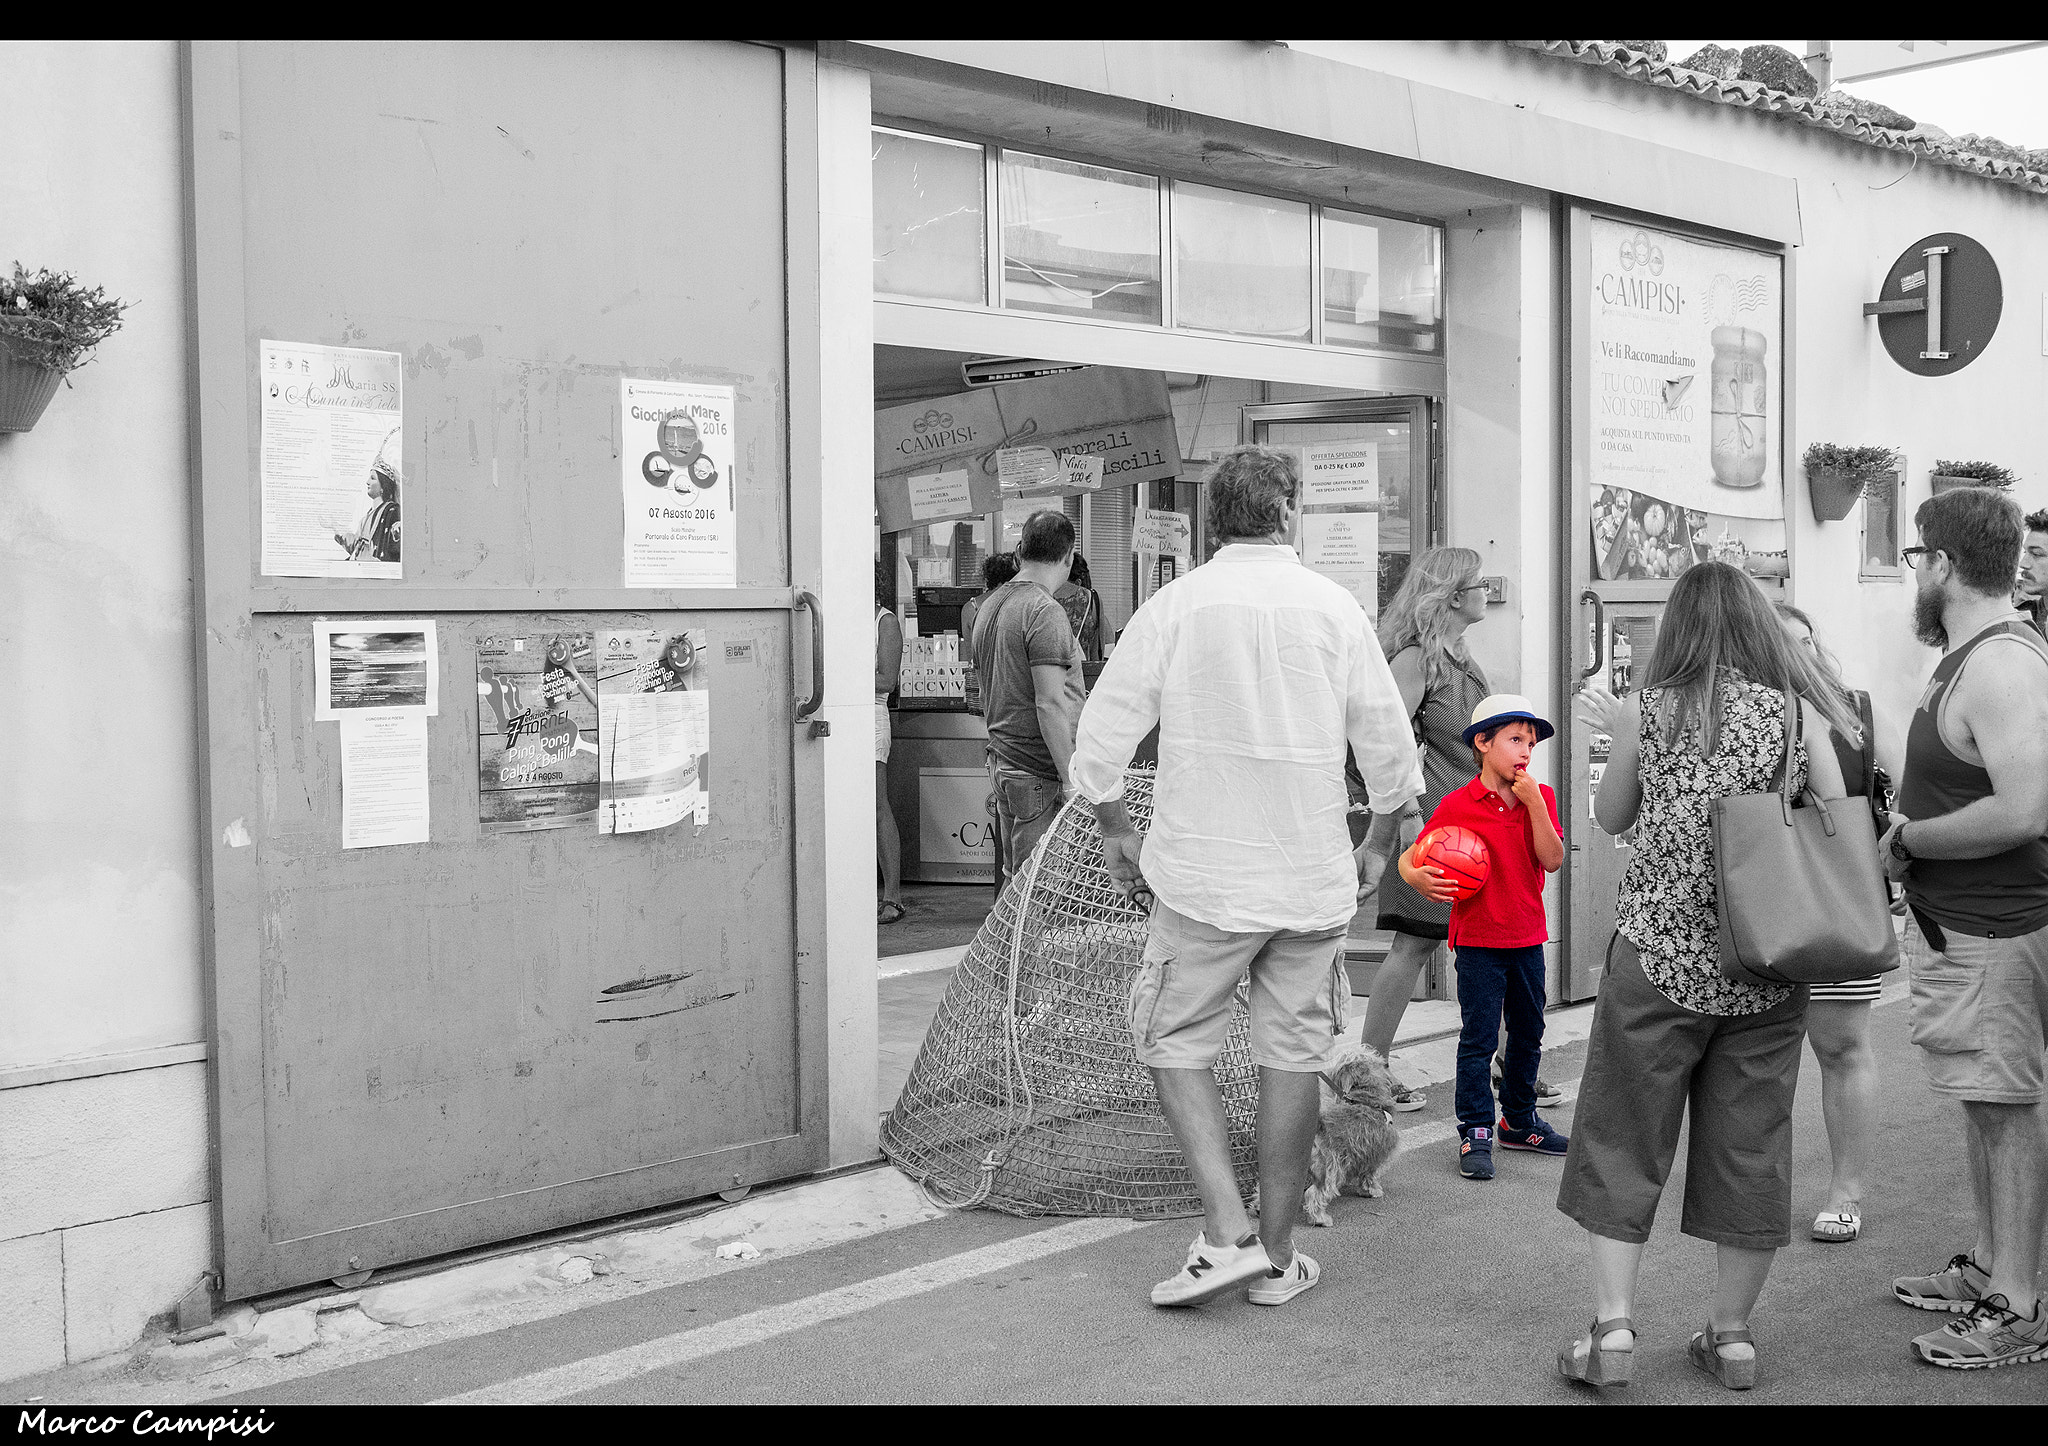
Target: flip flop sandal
1601,1365
1705,1350
1837,1227
883,914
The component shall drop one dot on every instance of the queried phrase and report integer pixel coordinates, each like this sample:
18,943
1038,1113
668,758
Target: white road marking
612,1367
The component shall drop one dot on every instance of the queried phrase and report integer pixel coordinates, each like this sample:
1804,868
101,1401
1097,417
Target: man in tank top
1969,843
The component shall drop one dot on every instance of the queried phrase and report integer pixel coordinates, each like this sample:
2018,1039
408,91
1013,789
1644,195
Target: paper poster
379,665
1685,355
1081,472
1021,471
332,464
937,495
536,722
653,736
676,448
383,779
1341,474
1161,531
1345,548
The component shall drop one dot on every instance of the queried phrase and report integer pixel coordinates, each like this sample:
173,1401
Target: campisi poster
1684,353
654,730
536,731
676,448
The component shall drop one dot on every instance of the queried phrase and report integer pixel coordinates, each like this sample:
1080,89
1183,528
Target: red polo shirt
1508,912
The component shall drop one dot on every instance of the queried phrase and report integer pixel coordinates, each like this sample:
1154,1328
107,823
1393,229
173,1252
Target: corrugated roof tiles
1828,115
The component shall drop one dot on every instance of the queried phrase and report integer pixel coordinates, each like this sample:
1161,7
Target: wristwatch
1898,845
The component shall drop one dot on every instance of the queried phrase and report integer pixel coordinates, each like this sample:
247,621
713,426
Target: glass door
1370,481
1369,485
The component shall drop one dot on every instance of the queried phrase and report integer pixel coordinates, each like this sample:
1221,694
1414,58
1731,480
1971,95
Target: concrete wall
1859,208
103,1180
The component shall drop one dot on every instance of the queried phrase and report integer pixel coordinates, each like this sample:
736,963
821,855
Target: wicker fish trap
1026,1096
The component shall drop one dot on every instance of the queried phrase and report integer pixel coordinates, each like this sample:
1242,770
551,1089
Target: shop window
1382,283
1079,240
1241,263
1883,497
930,218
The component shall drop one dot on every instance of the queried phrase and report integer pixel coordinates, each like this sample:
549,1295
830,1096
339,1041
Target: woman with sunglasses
1423,635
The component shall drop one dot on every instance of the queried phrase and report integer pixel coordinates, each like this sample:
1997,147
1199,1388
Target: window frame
1866,570
992,149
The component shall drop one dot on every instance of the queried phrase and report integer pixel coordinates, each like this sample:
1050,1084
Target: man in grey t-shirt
1031,688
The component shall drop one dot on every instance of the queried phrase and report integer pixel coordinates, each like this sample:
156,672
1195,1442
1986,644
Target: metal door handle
1599,631
819,727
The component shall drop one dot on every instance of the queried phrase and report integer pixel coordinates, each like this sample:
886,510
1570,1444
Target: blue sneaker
1475,1153
1539,1137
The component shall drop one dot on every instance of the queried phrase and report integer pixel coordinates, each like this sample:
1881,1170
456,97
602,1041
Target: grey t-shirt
1018,627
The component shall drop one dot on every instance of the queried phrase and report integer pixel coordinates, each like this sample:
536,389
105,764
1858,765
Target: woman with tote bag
1673,1037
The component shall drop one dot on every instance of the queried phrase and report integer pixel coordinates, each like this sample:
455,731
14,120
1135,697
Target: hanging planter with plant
49,325
1836,476
1949,475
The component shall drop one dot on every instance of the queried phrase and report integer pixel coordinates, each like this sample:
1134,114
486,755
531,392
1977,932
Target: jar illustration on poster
1741,391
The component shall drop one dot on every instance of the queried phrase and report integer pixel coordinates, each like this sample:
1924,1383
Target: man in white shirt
1258,672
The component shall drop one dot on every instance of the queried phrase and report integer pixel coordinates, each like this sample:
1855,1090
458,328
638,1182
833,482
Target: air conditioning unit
989,371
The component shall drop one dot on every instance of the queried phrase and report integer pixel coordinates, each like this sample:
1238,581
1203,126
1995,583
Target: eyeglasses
1912,555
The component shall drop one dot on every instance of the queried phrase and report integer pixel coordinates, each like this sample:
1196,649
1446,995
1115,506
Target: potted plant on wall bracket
1836,476
1949,475
49,325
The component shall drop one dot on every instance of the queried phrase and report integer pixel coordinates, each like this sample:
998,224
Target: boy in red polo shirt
1499,932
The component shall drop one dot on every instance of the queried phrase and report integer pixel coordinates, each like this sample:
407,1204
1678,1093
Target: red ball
1461,854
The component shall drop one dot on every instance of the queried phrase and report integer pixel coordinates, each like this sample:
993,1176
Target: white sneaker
1279,1286
1210,1271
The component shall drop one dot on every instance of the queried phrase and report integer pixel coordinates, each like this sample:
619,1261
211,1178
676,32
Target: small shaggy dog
1356,1137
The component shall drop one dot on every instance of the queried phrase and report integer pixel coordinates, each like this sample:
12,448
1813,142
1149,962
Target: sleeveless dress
1667,905
1439,724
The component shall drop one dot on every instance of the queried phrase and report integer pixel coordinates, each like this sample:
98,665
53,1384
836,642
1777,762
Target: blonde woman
1423,636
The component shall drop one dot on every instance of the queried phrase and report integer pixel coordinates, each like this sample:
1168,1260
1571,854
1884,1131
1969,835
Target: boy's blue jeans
1490,981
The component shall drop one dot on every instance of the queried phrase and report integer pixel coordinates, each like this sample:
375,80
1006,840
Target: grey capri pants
1647,1061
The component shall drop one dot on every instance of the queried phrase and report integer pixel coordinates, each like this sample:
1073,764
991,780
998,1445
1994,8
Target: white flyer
653,730
676,450
375,665
383,779
940,494
1340,474
332,466
1344,547
1158,530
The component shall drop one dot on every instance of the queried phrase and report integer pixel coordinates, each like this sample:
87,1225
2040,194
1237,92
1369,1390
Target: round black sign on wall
1971,299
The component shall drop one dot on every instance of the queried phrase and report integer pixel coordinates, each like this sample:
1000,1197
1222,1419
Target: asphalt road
1446,1290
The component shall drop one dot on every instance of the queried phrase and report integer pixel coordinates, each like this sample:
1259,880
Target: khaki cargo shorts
1980,1015
1181,998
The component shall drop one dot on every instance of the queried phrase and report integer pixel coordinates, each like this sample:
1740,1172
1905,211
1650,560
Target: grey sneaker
1212,1270
1991,1335
1546,1092
1955,1287
1278,1286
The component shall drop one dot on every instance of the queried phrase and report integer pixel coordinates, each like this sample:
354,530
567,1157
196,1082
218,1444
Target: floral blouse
1667,906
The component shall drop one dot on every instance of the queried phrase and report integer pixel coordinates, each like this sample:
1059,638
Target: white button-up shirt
1258,672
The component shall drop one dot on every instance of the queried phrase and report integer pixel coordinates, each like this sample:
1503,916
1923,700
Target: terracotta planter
1833,493
25,389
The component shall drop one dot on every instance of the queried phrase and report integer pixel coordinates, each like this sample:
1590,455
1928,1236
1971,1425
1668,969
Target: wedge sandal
1706,1354
1601,1365
1837,1227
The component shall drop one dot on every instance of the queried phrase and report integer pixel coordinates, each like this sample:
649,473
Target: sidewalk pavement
1446,1290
